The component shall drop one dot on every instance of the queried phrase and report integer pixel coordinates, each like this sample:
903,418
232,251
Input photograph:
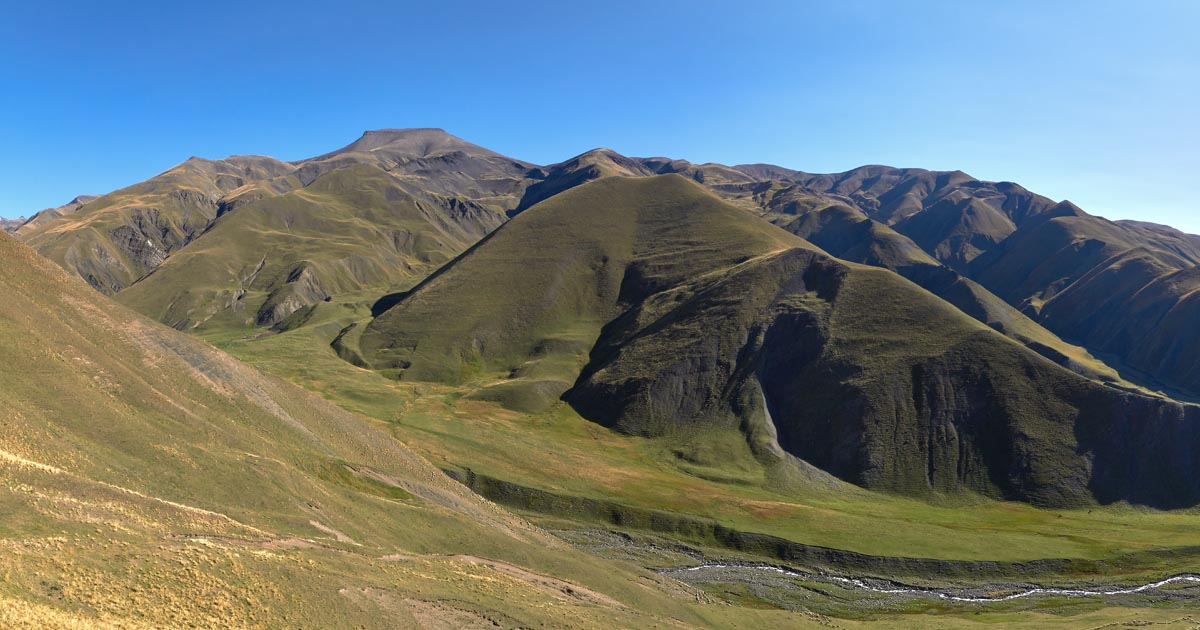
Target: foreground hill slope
657,309
152,481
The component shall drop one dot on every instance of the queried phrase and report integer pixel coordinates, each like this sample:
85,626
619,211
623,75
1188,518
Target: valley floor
603,486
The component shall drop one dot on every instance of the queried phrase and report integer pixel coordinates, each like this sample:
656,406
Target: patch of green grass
343,474
558,451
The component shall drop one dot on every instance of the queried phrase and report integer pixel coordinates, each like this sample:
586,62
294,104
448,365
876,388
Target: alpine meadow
414,382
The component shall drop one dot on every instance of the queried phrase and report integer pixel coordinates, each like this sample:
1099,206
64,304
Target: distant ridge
1043,272
23,225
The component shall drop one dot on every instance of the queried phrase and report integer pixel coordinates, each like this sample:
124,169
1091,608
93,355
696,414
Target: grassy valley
156,481
556,451
612,391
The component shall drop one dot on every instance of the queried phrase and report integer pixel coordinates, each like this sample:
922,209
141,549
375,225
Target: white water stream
861,585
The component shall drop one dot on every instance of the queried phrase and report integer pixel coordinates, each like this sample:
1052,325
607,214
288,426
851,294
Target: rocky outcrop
299,289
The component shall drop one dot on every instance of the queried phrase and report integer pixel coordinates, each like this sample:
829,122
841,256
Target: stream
957,595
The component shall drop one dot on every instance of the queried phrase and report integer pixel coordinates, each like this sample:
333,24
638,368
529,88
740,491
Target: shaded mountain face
847,233
657,309
9,225
1123,289
951,215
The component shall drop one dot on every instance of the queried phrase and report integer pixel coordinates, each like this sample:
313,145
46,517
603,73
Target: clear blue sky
1096,102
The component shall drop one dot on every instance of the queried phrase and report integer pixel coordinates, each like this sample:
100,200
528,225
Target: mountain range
1027,341
884,374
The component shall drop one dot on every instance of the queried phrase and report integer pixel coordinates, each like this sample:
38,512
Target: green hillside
112,241
151,481
273,259
115,240
1125,290
530,300
654,308
637,361
573,474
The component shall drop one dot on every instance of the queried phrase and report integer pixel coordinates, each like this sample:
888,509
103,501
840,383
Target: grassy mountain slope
689,316
433,165
352,228
1126,290
530,300
152,481
112,241
849,234
557,451
42,217
116,239
993,233
830,221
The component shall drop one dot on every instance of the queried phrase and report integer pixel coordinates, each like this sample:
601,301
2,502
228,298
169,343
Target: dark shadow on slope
388,301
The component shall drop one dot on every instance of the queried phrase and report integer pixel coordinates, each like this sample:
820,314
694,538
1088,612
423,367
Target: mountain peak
414,142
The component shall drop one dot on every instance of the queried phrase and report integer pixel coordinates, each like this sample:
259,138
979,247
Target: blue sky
1090,101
